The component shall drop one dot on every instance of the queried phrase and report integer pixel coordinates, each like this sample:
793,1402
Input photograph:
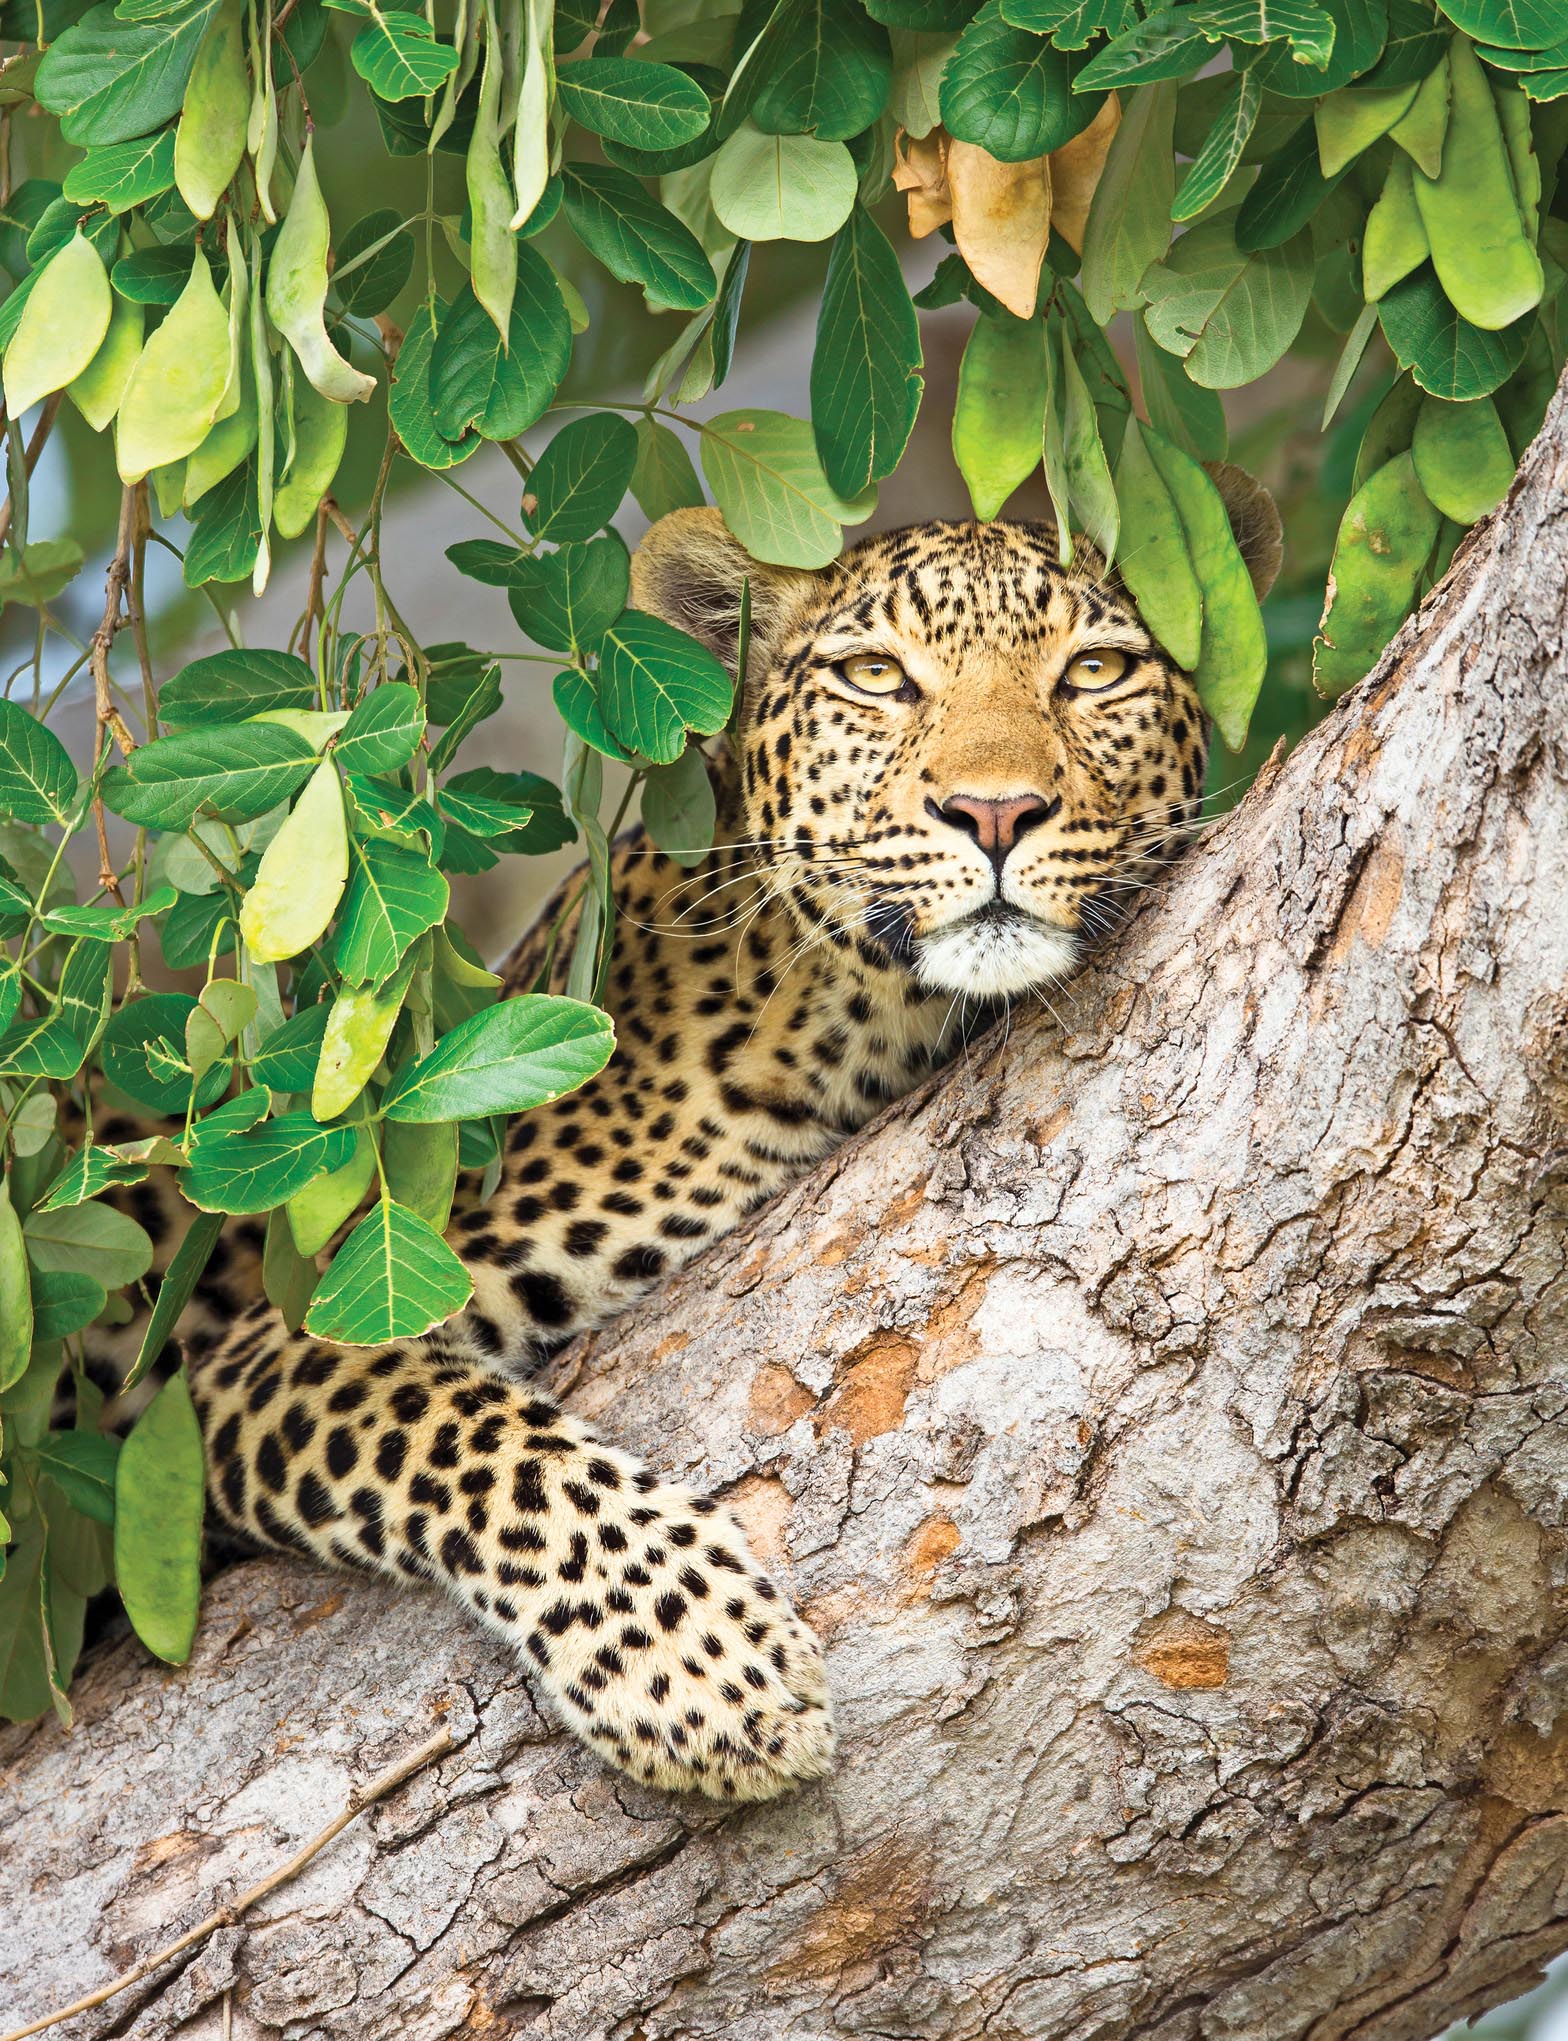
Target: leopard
952,765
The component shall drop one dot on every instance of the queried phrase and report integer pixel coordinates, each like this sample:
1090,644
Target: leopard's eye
873,674
1093,672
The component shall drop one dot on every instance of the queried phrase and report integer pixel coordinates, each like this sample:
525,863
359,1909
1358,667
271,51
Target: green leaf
1071,24
865,368
1155,562
767,479
1211,169
16,1308
89,1240
105,922
229,686
1163,47
1385,541
123,174
1233,655
239,772
319,1208
1010,92
37,779
820,67
1514,24
226,535
474,381
399,57
288,1057
40,1048
86,991
110,80
90,1170
411,401
1129,224
1306,26
143,1052
1360,27
524,1052
366,282
577,704
65,1301
579,480
678,809
656,683
159,1490
782,187
82,1464
568,599
646,106
1446,354
999,414
1230,315
253,1171
393,896
664,478
1289,189
1090,489
47,570
1462,457
486,802
1189,417
152,276
635,237
393,1278
384,730
176,1290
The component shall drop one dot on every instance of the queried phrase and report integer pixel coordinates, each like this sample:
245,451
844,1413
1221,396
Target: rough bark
1164,1421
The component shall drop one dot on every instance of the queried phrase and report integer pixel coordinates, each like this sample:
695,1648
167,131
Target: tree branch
1164,1423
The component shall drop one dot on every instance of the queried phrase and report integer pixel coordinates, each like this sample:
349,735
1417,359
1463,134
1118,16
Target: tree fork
1164,1418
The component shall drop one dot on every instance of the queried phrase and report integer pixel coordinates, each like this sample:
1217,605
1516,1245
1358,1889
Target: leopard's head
951,757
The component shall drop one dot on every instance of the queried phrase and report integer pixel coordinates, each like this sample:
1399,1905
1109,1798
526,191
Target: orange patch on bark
925,1548
880,1903
777,1399
949,1340
1043,1132
872,1388
1180,1651
763,1504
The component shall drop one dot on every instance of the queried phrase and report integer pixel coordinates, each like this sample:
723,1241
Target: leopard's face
962,758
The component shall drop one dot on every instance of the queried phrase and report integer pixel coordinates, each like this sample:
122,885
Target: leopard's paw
678,1660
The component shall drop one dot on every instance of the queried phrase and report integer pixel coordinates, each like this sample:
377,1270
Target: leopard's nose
994,825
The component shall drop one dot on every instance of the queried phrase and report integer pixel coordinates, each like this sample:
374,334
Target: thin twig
315,606
35,447
110,721
225,1916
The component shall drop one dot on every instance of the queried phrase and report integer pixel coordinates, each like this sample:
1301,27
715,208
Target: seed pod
1490,273
1421,131
320,435
1462,457
1353,118
420,1159
16,1302
492,248
261,370
358,1029
210,139
229,442
1154,559
316,1212
168,488
297,289
175,389
1385,540
62,326
1395,242
1513,115
302,873
261,127
97,391
531,135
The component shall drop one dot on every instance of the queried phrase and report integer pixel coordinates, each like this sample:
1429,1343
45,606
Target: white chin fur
993,959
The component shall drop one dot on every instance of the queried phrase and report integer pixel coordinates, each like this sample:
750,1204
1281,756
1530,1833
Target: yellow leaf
302,873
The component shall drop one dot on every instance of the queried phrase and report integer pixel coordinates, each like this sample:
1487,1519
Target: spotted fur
767,1003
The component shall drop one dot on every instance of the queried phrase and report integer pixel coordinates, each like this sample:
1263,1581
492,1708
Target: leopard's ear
1254,519
690,569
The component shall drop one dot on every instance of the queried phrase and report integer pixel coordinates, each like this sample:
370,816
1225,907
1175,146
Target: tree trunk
1165,1421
